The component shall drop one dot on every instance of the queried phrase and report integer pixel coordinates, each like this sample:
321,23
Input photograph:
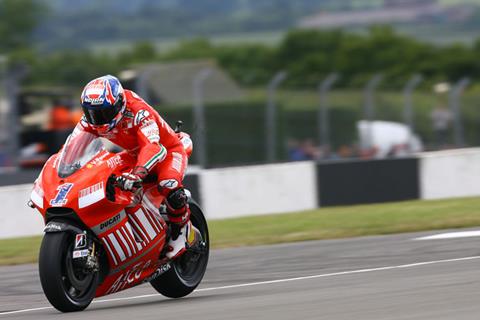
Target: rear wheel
67,286
188,270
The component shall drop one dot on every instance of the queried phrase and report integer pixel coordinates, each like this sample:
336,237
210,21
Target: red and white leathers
143,133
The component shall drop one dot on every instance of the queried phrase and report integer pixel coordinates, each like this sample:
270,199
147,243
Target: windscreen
78,150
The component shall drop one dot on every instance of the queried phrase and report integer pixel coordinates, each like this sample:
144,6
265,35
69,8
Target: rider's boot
181,229
181,237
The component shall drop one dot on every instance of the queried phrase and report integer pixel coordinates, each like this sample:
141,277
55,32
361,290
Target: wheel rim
76,282
190,267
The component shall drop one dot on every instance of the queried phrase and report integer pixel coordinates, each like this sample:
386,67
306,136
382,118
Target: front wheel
188,270
67,287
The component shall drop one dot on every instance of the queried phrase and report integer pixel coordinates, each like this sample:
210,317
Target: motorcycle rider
125,119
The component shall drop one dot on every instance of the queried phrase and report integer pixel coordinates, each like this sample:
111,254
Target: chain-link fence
235,132
315,124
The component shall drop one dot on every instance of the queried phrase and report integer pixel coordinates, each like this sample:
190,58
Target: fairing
132,258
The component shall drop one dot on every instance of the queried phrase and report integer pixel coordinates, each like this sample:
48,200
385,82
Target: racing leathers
144,134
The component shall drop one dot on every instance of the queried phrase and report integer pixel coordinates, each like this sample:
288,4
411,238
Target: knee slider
177,199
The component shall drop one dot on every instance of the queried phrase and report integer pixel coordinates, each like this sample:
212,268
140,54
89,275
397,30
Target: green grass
19,250
350,221
326,223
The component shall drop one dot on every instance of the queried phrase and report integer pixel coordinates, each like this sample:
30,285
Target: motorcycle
92,247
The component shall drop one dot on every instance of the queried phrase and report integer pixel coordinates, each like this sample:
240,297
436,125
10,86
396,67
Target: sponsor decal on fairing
61,197
109,223
130,276
91,195
114,162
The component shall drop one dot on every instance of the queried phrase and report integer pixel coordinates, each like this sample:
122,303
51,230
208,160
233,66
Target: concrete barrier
16,218
263,189
275,188
372,181
450,173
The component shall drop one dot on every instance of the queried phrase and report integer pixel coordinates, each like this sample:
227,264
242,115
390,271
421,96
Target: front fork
85,253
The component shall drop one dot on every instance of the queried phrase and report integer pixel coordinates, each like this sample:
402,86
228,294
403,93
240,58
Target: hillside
80,24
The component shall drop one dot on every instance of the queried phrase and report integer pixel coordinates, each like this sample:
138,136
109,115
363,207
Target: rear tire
66,289
188,270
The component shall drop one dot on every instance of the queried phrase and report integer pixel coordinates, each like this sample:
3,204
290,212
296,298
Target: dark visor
102,115
99,116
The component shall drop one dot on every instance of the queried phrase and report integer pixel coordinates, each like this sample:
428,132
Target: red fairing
132,242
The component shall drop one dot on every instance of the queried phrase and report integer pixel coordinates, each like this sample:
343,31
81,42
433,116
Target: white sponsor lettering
150,131
115,161
99,159
177,162
129,277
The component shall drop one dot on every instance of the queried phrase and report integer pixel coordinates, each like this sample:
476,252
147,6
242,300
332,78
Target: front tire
188,270
66,288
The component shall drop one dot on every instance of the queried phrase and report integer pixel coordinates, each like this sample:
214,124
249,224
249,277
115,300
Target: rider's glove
128,181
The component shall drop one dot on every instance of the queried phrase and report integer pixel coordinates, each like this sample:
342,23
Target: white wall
16,218
450,173
263,189
228,192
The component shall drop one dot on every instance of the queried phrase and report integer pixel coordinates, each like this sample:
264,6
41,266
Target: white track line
451,235
325,275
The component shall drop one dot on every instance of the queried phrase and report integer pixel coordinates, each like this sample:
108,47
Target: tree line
307,55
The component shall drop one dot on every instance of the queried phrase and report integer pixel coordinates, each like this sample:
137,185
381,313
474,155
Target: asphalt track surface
383,277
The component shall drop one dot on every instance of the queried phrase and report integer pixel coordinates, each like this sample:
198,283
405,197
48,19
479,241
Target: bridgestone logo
109,222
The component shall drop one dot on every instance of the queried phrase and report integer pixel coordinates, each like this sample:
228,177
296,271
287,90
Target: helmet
103,102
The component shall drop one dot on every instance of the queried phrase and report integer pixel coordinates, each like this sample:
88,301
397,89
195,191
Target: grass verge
325,223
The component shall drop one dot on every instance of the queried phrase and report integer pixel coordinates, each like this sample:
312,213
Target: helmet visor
98,116
102,115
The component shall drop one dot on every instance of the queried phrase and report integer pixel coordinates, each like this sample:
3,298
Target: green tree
18,18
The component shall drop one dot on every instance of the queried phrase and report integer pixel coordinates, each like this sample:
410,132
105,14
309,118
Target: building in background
171,83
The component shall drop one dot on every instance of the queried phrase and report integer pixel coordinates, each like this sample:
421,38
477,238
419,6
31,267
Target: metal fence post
323,116
414,81
5,145
199,116
369,107
271,116
12,87
454,101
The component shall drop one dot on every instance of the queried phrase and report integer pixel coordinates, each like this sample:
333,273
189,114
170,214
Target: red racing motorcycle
91,246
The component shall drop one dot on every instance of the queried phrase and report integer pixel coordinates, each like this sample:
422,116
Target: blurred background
343,99
254,81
